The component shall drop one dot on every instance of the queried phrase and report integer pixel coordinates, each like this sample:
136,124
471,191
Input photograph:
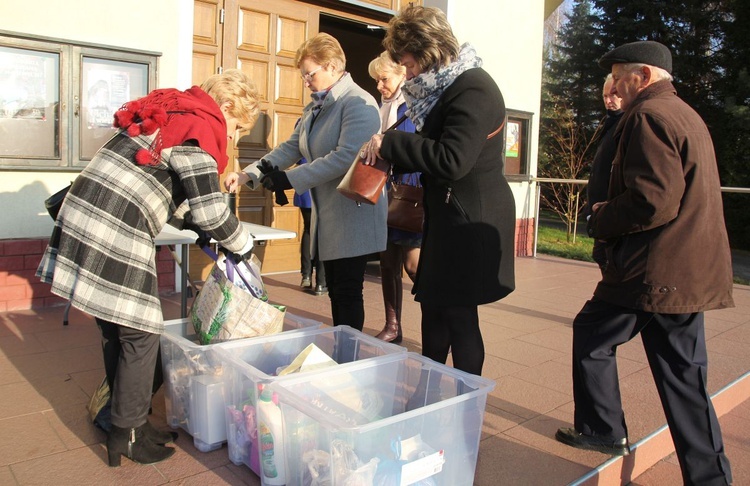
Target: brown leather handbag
406,207
364,183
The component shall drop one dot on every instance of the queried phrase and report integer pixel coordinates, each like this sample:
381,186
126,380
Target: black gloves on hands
274,180
203,236
236,257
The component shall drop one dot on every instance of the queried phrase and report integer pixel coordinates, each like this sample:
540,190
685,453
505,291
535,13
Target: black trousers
130,360
345,278
454,329
675,345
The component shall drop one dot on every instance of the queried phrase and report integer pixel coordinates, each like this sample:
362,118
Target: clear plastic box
193,393
394,420
250,365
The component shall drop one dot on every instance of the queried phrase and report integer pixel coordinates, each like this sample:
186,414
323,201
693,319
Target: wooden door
261,38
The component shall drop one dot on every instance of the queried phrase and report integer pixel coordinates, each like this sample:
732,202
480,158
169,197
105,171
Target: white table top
172,236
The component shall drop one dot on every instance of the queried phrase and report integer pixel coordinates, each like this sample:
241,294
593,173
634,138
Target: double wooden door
260,37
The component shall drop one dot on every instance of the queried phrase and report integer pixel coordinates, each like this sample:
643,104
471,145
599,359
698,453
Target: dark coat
468,243
667,250
601,167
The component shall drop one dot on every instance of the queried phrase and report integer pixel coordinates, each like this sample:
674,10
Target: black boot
159,437
135,445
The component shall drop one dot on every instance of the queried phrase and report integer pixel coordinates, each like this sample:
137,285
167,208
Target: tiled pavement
48,371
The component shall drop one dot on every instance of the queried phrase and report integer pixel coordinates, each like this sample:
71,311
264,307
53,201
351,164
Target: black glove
203,236
265,167
277,181
236,257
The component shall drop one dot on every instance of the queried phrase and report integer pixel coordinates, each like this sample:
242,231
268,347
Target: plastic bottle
271,439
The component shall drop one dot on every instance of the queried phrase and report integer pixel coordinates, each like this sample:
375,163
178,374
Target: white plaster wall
508,36
163,26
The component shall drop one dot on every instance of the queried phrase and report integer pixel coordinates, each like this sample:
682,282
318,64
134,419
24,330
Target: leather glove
265,166
236,257
277,181
203,236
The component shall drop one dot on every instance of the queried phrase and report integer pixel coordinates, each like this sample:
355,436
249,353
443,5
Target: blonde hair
423,32
235,87
384,64
324,49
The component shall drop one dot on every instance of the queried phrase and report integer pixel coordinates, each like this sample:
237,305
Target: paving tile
20,399
551,374
501,457
9,373
525,399
523,353
73,426
6,477
27,437
84,465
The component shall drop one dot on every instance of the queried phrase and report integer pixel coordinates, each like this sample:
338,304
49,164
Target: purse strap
499,129
398,122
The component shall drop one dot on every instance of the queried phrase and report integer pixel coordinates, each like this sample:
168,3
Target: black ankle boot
135,445
159,437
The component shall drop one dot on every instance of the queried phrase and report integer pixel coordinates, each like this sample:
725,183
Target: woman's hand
370,151
235,179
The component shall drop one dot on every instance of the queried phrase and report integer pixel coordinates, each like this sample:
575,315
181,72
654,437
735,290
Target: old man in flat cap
668,261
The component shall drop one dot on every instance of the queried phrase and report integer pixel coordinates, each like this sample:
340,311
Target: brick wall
20,289
525,237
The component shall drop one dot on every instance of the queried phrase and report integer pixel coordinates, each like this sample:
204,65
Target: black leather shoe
573,438
320,290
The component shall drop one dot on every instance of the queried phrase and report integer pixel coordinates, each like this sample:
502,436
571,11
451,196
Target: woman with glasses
339,119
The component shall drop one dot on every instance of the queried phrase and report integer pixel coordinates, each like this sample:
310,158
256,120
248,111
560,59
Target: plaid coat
101,255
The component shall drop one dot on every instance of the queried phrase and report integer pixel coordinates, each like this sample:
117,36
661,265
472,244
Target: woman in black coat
468,243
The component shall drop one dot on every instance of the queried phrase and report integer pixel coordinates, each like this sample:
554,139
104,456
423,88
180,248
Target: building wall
164,26
512,55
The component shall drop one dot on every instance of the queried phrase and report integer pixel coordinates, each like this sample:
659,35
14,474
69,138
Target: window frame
524,119
70,91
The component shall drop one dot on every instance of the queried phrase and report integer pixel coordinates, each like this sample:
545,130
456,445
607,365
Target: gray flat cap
644,52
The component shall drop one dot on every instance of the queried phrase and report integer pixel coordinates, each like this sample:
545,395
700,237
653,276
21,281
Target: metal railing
545,180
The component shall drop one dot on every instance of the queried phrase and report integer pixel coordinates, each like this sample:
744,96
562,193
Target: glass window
57,99
517,143
105,86
29,103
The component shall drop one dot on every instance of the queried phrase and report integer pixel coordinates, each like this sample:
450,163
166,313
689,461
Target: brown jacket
667,245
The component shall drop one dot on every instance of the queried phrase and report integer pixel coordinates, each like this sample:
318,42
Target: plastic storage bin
193,393
394,420
251,364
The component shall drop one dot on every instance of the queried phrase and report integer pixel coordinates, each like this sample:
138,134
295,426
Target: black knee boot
134,444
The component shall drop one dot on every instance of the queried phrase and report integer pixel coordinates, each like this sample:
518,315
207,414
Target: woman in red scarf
171,148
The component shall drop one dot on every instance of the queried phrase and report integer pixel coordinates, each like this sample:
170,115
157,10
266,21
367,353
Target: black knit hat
642,52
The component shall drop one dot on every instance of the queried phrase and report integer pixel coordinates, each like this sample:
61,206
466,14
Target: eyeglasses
309,76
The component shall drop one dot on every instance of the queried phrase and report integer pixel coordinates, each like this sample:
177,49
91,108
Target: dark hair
423,32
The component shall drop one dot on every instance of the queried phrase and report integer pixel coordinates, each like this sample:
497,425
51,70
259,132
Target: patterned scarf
423,91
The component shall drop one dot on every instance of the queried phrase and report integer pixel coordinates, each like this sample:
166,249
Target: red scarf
180,116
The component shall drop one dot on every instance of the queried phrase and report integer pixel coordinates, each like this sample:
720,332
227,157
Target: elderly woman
171,147
339,120
402,251
468,243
